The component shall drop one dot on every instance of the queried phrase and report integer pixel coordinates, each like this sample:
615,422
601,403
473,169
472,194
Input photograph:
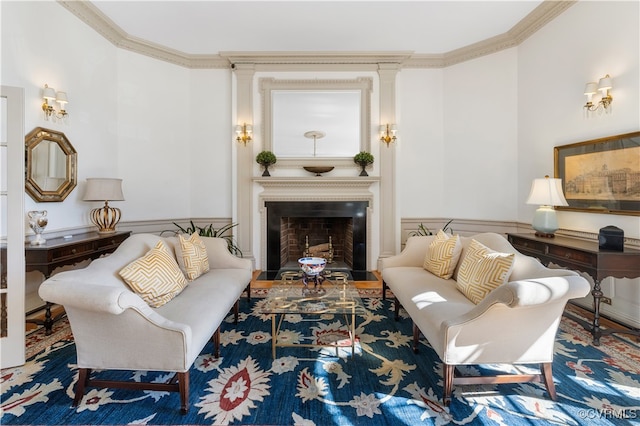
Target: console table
57,252
584,256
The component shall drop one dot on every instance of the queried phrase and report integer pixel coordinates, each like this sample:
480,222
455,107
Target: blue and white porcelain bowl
312,265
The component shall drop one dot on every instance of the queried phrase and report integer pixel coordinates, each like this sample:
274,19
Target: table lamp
104,189
546,193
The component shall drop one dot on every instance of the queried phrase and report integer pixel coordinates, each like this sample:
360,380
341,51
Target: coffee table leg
273,336
353,334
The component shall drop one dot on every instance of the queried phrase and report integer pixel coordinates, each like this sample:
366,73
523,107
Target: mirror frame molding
31,141
363,84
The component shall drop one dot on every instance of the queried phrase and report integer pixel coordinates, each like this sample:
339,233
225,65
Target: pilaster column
244,161
389,222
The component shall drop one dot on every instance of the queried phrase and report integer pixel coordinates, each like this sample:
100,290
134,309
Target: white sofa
514,324
114,329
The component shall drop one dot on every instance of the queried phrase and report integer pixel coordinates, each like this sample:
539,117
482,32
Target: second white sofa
516,323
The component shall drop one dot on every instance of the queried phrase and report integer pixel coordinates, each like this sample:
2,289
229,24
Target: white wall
164,129
480,134
35,52
420,147
586,42
211,143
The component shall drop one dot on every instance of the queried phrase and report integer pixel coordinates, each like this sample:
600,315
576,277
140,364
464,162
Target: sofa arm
220,257
97,298
527,293
413,254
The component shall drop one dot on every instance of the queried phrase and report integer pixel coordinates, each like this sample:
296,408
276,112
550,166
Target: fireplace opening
327,237
290,223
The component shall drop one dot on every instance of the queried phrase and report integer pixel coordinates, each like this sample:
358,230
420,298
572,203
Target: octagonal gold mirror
51,169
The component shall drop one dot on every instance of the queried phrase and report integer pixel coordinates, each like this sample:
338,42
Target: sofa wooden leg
416,338
448,371
83,379
396,309
183,385
216,343
547,374
248,290
384,290
236,310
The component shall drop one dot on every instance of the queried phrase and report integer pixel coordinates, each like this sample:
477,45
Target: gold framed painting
601,175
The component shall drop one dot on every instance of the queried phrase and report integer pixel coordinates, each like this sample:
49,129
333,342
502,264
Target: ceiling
214,26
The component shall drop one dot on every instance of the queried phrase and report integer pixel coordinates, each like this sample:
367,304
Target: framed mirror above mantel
337,112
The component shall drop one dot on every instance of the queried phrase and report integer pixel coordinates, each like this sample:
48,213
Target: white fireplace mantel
316,188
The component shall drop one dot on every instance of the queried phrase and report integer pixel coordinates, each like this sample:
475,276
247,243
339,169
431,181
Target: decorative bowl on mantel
318,170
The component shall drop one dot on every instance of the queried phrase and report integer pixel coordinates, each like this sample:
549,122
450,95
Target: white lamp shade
547,192
591,88
605,83
48,93
61,98
103,189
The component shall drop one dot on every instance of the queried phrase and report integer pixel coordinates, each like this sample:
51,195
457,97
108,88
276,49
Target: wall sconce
604,85
388,133
243,133
104,189
50,96
546,193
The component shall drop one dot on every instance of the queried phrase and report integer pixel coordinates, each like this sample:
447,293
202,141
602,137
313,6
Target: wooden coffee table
336,295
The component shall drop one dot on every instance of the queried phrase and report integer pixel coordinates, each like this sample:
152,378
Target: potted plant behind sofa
423,230
266,159
363,159
210,231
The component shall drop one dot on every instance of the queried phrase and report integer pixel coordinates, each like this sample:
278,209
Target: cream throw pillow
482,270
156,276
442,255
191,254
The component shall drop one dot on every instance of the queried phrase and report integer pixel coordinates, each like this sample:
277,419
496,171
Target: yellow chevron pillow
482,270
442,255
156,276
192,256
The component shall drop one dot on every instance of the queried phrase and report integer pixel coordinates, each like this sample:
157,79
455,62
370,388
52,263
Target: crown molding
93,17
538,18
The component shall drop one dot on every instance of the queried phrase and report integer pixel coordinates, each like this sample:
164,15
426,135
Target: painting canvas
601,176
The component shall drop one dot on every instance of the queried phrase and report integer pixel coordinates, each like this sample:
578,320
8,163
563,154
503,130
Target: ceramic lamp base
545,222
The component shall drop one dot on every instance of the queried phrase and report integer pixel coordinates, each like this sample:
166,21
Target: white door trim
12,347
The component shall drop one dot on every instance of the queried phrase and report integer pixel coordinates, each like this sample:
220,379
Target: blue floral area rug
384,383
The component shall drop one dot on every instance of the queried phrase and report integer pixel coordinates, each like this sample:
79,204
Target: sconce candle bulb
50,95
243,133
388,133
604,86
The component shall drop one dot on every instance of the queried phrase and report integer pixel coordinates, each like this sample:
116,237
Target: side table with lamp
577,254
47,255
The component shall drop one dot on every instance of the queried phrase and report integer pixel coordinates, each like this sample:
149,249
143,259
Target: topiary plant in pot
363,159
266,159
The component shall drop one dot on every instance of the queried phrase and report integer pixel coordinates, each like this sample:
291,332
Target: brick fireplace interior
289,224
